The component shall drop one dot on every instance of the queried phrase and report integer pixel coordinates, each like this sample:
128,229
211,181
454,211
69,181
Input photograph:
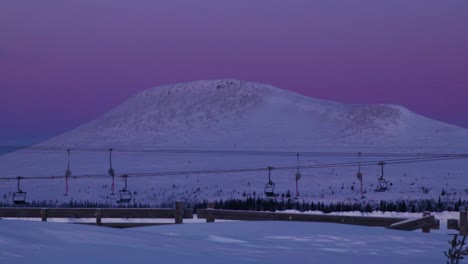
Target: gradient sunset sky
63,63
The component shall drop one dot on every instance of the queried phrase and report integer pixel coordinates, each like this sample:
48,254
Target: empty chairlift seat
125,195
19,197
270,186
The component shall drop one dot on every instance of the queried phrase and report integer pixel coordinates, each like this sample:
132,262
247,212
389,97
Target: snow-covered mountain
209,112
235,115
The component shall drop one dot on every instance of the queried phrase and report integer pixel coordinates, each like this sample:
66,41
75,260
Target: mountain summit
234,112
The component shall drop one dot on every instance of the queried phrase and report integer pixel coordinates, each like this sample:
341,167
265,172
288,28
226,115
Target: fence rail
178,213
399,223
270,216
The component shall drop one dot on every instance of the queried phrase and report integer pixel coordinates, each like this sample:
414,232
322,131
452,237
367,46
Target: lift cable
184,151
242,170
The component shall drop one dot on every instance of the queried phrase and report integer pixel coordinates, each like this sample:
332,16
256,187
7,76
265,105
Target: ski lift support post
67,173
298,177
359,175
111,171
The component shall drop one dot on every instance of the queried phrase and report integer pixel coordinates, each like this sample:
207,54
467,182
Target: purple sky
63,63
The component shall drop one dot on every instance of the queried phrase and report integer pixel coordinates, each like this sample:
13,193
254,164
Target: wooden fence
178,214
425,223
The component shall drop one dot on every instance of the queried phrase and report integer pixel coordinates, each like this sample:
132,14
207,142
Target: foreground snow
227,242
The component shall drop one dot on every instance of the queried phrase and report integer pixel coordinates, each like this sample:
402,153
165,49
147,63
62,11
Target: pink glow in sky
63,63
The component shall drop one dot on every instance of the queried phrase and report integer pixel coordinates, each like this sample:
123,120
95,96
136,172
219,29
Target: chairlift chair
19,197
125,195
270,189
270,186
383,186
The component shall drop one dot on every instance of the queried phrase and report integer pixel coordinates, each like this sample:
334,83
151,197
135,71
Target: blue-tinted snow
228,242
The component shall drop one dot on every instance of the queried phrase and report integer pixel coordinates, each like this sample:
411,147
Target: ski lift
67,173
270,186
125,195
298,177
383,185
111,171
359,176
19,197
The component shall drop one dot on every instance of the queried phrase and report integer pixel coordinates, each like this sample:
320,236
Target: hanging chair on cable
125,195
298,177
19,197
383,185
111,171
359,176
67,173
270,186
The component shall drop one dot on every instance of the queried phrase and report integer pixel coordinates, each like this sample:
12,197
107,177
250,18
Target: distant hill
238,116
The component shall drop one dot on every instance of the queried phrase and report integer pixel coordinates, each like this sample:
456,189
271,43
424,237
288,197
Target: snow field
227,242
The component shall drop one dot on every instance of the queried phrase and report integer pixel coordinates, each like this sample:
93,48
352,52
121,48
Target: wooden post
426,229
209,217
463,223
179,212
98,216
452,224
44,214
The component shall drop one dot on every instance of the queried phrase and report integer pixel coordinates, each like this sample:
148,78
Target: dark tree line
262,204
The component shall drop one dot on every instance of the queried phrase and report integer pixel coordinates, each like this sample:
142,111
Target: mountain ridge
188,107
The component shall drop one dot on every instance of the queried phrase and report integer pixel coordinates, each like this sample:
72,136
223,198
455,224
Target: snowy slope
207,112
237,115
233,242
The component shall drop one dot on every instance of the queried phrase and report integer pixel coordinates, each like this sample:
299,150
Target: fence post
44,214
209,216
426,229
179,212
463,222
452,224
98,216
